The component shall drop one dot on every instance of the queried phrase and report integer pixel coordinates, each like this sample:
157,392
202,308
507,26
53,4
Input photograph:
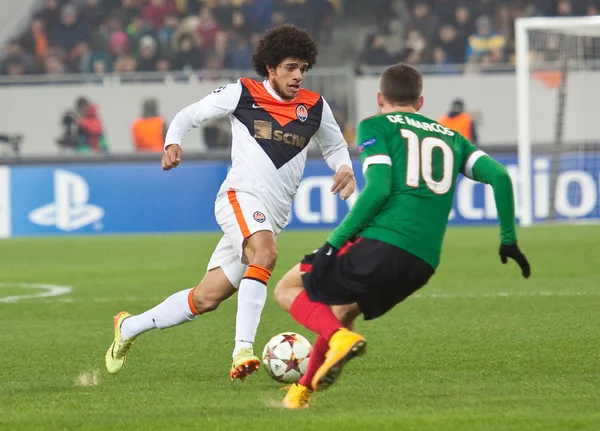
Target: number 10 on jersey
419,163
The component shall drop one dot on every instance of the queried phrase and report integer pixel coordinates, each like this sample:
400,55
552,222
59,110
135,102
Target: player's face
287,77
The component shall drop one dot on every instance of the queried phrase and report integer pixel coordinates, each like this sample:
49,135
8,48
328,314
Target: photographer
83,131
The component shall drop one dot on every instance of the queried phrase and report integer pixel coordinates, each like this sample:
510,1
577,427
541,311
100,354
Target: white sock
173,311
252,296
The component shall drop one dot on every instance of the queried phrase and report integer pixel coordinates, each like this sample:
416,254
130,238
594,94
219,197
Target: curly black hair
283,42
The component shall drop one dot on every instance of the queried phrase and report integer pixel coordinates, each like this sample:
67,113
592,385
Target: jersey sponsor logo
221,88
259,217
264,130
301,113
366,144
70,210
256,106
289,138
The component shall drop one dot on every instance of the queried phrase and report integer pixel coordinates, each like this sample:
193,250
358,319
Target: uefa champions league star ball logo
259,217
302,113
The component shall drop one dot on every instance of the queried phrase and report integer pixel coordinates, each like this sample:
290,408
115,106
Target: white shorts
240,215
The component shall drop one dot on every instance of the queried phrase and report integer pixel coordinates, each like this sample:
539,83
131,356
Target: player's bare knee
203,303
266,257
280,293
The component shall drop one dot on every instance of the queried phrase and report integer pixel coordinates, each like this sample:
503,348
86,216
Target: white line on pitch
48,291
419,296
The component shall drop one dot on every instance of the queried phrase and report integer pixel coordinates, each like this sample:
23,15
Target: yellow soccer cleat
297,397
117,352
244,364
344,345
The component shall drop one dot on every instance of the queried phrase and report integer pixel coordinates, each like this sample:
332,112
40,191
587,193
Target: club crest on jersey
301,113
259,217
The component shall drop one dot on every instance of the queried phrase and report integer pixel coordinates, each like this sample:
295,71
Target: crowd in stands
100,36
479,33
103,36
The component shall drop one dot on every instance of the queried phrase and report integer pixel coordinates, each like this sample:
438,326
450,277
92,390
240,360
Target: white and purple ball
286,357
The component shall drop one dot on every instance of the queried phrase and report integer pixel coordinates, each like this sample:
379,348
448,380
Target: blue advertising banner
140,197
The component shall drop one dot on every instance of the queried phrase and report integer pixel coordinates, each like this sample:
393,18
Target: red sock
315,316
317,357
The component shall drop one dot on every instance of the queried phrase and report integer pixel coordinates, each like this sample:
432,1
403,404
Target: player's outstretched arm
487,170
221,101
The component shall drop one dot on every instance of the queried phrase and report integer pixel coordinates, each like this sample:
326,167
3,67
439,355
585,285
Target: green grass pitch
479,348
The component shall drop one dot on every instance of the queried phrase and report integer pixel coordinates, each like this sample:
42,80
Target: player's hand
323,259
344,182
512,251
171,157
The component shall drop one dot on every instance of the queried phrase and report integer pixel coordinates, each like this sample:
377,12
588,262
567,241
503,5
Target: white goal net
558,93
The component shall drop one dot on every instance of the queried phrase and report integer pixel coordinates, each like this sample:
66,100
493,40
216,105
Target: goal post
558,120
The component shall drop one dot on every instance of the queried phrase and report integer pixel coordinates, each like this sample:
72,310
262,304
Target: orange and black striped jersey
270,138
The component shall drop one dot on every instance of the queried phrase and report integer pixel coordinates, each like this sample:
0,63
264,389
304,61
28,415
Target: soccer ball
286,357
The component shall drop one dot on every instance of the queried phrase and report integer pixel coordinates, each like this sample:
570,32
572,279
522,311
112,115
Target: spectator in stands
149,131
485,42
444,9
223,12
423,20
128,10
416,51
92,13
452,43
383,14
483,7
460,121
14,67
148,54
208,29
187,55
70,32
98,53
163,64
35,40
258,13
439,58
51,14
53,65
17,61
463,21
325,19
375,53
156,11
189,7
593,8
239,54
99,68
119,44
564,8
504,22
239,26
166,33
125,64
137,29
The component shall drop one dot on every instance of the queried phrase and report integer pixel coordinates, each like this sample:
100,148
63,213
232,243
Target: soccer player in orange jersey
272,123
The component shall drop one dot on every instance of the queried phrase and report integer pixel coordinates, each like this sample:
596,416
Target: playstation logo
70,210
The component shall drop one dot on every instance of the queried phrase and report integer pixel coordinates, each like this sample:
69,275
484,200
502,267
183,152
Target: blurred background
98,81
79,75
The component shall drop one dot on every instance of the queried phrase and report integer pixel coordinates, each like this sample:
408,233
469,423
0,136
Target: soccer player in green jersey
389,244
